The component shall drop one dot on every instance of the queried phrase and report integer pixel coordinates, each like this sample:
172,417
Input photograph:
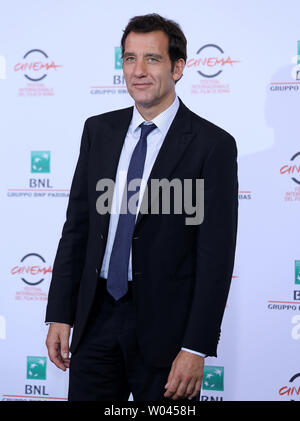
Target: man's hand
185,377
57,343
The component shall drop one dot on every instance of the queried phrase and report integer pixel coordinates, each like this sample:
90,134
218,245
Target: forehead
155,41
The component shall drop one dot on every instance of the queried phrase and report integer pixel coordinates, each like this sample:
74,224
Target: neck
152,111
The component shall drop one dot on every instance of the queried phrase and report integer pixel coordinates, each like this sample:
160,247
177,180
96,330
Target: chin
143,101
142,98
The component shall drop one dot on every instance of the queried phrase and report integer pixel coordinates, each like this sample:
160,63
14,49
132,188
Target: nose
140,68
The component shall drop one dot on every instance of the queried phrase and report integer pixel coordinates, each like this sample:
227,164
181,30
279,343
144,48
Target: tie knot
146,129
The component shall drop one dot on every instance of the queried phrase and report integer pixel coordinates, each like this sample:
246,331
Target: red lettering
53,65
295,168
33,270
14,270
200,61
284,390
229,61
289,169
17,67
212,61
297,391
190,62
36,66
45,270
289,391
284,169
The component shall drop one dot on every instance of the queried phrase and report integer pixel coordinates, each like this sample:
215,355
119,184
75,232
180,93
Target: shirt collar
162,121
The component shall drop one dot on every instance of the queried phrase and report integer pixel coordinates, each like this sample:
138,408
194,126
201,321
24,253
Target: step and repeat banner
60,62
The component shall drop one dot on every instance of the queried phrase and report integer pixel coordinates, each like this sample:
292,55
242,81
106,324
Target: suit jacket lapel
108,154
174,145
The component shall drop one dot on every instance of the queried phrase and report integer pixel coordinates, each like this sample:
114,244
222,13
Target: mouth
141,85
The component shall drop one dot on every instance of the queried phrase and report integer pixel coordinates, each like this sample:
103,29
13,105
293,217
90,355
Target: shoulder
201,124
110,117
208,132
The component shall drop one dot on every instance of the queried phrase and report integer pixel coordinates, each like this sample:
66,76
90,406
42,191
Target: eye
129,59
152,59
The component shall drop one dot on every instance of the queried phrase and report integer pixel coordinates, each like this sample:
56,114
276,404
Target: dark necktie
117,279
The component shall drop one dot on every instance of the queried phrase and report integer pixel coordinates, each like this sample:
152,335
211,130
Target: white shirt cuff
194,352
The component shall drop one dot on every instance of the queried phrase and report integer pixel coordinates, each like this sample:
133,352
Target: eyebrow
129,54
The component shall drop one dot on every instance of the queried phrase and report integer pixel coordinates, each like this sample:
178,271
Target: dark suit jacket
181,273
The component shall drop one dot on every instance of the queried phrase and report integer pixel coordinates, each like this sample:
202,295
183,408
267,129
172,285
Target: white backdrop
59,64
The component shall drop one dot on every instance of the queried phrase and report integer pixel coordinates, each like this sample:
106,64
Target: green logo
36,368
40,161
118,58
213,378
297,272
298,61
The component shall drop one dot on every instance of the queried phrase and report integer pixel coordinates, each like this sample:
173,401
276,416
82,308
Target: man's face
147,68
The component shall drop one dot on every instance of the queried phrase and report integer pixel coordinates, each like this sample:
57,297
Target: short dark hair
155,22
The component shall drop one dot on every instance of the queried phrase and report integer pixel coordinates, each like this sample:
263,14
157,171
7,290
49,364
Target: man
145,292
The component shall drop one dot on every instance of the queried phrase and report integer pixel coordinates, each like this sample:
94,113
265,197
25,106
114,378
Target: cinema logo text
210,62
292,170
35,66
32,266
32,271
292,389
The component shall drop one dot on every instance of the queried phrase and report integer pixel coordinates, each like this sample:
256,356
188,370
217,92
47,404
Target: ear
178,69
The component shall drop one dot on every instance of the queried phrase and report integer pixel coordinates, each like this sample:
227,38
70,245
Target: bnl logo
297,272
213,378
2,68
118,58
36,368
40,161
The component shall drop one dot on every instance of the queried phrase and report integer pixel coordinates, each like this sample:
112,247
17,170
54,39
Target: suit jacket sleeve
216,241
70,255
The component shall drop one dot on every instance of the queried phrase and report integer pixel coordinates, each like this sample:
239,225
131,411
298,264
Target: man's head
154,56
